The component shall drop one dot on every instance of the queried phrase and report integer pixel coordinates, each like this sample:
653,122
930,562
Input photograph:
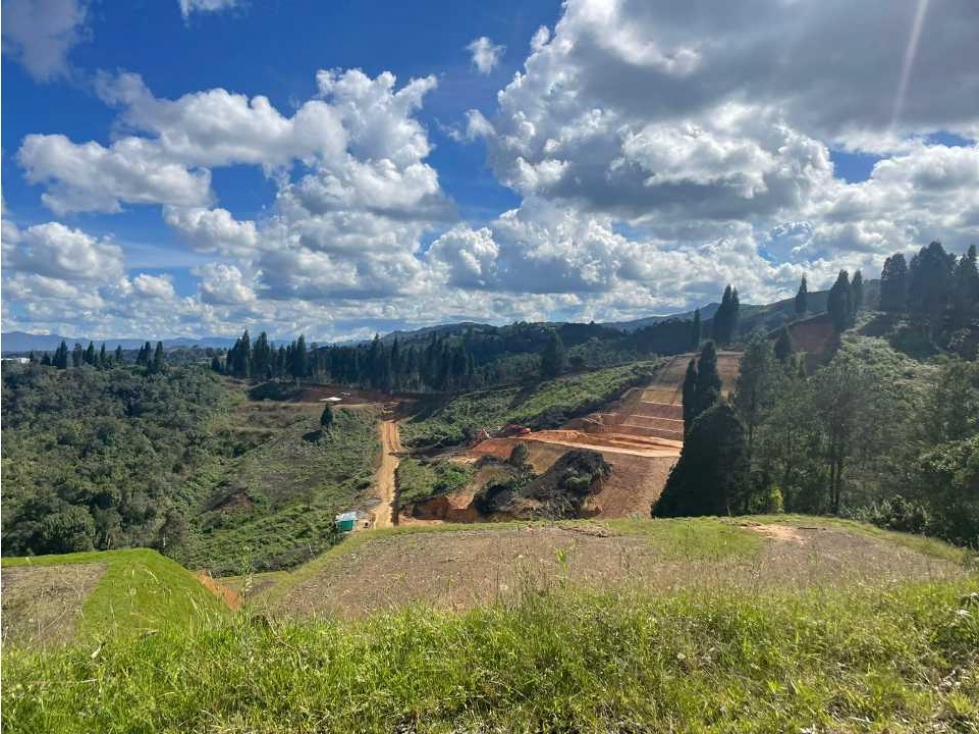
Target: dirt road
383,514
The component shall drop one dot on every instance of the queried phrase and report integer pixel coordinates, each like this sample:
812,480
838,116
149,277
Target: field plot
462,568
43,604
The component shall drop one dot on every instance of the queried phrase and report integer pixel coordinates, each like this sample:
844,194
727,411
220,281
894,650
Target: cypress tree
856,295
90,354
158,358
61,356
326,418
930,285
103,357
708,380
300,358
802,298
894,284
77,355
838,302
965,289
711,476
46,360
119,359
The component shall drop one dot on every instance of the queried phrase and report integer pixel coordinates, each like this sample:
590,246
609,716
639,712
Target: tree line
154,360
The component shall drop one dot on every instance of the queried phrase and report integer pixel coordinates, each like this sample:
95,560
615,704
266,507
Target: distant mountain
426,331
13,342
706,312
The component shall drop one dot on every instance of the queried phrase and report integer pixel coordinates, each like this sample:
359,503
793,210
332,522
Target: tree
784,347
802,298
89,357
838,302
856,295
711,475
695,331
965,290
300,359
103,357
46,360
216,364
158,359
894,284
119,359
172,533
755,388
60,359
77,355
930,286
553,357
708,380
725,322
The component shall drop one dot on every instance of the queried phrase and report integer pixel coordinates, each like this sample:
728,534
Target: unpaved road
383,514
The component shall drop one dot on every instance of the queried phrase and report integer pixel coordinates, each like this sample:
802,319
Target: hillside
90,597
758,624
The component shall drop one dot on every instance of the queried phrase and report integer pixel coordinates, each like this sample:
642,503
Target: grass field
849,654
272,506
544,405
89,597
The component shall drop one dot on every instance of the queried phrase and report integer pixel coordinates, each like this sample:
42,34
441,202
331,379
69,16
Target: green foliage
140,592
725,323
419,479
566,661
801,302
326,417
547,404
711,476
840,303
95,458
553,357
519,456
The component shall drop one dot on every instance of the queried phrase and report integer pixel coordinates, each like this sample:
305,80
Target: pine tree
711,476
216,363
725,322
695,331
894,284
754,389
802,298
300,358
930,286
46,360
90,354
553,356
77,355
103,357
856,295
708,380
838,302
783,345
965,290
119,359
158,358
60,359
32,358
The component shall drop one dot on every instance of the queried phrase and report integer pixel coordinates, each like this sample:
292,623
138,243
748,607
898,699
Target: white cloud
187,7
154,287
213,230
224,284
485,54
41,33
56,251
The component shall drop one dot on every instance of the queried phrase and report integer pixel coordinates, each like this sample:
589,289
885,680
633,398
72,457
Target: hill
91,597
18,342
764,624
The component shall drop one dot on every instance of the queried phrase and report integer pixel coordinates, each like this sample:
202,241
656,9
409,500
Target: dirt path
383,514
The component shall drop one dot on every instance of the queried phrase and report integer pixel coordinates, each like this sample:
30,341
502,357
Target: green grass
273,507
419,479
140,591
546,404
852,660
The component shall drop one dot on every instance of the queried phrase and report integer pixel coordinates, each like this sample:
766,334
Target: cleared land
462,568
43,604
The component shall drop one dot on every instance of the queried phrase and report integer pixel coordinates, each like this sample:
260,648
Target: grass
273,506
419,479
851,660
544,405
139,592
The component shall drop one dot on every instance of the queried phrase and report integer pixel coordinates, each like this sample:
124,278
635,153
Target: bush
898,513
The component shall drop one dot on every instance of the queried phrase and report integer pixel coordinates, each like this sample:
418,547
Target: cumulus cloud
41,33
56,251
485,54
224,284
154,287
213,230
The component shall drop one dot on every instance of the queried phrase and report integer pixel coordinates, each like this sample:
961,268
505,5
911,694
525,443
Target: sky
197,167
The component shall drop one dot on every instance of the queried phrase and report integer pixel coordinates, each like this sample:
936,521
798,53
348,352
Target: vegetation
141,591
725,324
419,479
844,660
544,405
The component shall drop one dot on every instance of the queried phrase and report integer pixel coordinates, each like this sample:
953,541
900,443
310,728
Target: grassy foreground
904,660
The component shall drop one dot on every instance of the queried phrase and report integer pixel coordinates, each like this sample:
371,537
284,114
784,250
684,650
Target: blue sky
608,160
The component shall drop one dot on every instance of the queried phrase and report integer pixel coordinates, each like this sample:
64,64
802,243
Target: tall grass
901,660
